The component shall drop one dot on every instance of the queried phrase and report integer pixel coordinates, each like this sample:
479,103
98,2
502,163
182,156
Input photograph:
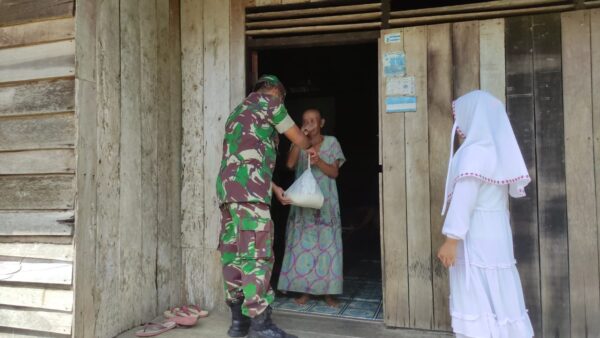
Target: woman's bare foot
302,299
332,301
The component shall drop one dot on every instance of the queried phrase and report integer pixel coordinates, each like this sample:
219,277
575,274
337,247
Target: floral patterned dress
313,261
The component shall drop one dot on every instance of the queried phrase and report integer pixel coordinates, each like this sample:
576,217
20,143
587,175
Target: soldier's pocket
255,244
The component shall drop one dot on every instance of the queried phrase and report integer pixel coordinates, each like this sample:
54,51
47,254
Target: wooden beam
37,32
332,39
398,22
314,11
58,252
48,60
13,12
38,271
314,29
41,97
36,297
37,192
476,7
54,161
29,223
38,320
56,131
313,21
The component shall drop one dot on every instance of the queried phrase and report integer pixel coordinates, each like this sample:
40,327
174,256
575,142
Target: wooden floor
303,326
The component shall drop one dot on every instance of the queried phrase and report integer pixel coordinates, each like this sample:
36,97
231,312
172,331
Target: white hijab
490,151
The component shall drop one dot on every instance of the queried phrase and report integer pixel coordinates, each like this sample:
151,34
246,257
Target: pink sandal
181,317
154,329
196,310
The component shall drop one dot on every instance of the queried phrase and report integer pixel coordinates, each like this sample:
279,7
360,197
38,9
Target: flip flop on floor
178,312
197,310
154,329
184,320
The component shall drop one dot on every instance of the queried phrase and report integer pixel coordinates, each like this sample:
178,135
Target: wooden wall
213,66
551,95
128,106
37,167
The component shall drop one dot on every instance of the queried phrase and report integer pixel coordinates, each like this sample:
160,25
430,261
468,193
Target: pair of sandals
186,316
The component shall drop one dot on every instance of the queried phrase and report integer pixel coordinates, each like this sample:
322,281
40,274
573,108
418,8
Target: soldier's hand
280,194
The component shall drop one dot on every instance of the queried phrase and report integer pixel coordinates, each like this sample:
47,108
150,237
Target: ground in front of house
302,325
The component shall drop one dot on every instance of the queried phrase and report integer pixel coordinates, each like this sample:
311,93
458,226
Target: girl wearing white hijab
486,295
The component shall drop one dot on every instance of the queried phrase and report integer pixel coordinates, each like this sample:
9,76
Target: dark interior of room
342,82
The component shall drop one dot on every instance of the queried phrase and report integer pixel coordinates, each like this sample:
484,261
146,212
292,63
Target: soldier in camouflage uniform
244,188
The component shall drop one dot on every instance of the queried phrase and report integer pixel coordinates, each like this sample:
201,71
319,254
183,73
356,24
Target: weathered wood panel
60,161
192,155
37,192
465,48
150,106
85,229
439,98
28,223
18,11
39,132
131,283
175,268
268,2
237,54
417,186
32,297
595,64
29,270
37,32
108,294
216,96
394,233
491,57
550,154
54,96
37,250
49,60
56,322
520,106
85,41
580,178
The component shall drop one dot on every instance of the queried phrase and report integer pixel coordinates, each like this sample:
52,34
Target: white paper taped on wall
404,86
400,104
392,38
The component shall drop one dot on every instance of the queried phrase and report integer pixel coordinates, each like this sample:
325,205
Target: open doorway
340,81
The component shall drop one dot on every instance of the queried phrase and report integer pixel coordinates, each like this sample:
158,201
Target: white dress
486,297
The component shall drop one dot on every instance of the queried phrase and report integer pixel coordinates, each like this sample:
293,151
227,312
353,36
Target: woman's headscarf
489,151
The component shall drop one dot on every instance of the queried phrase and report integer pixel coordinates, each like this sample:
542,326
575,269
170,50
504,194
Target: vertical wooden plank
175,151
237,54
84,311
216,97
393,226
417,185
192,154
130,219
148,96
85,205
595,64
108,292
439,104
581,194
465,47
491,57
520,106
550,155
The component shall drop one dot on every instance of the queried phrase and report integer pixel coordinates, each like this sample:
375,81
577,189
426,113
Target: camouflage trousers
245,244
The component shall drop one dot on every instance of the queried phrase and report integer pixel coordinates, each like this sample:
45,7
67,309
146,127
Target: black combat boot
240,324
263,327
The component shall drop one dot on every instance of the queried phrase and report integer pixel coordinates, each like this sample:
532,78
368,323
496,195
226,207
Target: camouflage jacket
249,149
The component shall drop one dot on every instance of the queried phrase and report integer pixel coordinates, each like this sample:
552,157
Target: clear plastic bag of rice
305,191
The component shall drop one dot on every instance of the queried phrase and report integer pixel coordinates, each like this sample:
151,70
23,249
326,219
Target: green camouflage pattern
249,149
247,255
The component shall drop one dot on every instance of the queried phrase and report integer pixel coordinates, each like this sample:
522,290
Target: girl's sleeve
461,208
337,153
